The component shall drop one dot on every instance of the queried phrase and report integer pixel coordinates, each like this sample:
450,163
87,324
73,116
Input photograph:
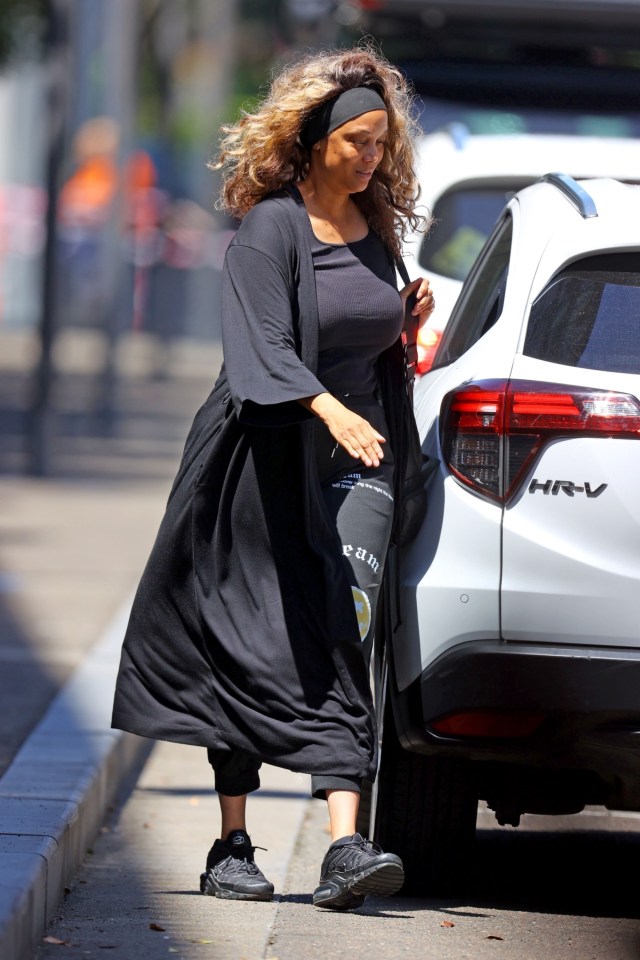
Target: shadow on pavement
19,672
584,873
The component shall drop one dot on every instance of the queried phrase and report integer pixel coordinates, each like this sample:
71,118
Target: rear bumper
589,696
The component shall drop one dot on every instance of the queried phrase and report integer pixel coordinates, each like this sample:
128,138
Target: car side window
481,298
464,217
588,316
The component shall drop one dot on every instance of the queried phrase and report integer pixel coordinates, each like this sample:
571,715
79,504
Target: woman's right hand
349,429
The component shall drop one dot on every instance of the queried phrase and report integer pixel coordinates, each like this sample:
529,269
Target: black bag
417,466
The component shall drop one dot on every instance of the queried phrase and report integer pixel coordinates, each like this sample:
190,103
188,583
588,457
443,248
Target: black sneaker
354,867
232,873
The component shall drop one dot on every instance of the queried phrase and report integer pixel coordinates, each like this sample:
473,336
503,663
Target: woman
252,624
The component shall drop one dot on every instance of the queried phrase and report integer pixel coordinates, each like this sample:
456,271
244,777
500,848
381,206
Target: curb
55,794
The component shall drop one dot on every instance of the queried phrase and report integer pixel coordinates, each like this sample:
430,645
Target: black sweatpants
360,501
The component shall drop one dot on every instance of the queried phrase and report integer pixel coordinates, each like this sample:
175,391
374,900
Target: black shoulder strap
402,270
410,328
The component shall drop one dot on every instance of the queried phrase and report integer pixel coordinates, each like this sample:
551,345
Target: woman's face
348,155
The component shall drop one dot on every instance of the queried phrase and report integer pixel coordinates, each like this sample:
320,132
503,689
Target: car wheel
425,811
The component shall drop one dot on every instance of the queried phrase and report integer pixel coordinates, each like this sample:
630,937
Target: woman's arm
425,303
266,375
351,431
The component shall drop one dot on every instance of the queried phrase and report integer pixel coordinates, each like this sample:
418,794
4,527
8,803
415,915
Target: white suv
514,665
466,180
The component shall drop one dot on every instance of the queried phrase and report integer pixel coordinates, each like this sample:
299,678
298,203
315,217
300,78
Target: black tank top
360,313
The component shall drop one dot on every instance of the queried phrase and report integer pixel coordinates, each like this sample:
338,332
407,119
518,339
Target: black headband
341,108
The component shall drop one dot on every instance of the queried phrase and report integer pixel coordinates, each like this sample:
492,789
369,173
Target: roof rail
576,194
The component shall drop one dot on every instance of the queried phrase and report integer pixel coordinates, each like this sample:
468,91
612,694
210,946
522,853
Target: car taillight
492,431
427,343
505,724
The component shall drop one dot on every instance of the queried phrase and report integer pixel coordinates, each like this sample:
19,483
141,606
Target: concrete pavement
72,547
137,895
55,793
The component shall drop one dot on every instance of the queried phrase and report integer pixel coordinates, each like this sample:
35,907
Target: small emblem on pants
363,611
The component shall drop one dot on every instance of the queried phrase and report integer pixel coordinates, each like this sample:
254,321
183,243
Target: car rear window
463,219
589,316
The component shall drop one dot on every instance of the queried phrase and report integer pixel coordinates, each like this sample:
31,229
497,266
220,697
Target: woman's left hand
425,302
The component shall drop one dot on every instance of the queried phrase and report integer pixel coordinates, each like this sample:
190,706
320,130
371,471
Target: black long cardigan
243,631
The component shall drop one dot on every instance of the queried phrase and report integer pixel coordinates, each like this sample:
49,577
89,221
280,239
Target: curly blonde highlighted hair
263,151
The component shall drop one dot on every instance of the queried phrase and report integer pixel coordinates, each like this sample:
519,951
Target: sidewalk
72,547
136,897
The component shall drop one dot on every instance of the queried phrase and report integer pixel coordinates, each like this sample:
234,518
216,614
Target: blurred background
110,244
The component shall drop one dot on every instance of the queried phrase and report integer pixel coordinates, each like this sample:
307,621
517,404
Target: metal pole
42,414
121,31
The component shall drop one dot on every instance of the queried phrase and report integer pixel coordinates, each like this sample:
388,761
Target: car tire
425,812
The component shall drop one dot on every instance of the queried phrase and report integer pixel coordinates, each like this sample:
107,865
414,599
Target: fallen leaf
447,923
156,926
58,943
493,937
